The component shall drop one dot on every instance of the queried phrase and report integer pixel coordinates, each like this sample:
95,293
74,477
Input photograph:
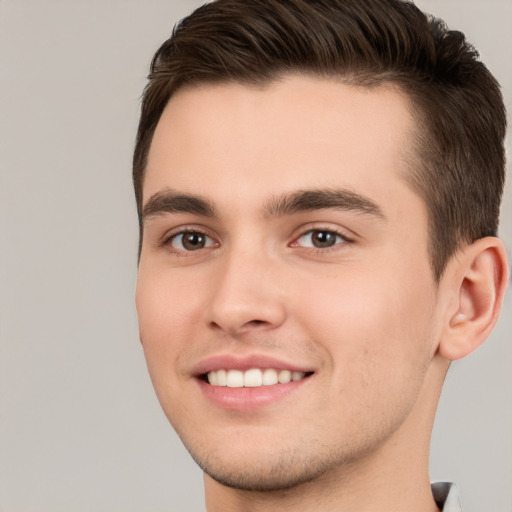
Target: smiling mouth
253,378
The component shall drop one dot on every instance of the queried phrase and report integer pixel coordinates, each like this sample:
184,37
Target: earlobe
480,277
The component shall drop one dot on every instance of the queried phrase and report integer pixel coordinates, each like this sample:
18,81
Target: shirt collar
446,497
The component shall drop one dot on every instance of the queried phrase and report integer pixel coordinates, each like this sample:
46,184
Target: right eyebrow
318,199
168,201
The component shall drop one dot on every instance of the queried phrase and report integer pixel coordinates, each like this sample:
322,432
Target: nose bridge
247,292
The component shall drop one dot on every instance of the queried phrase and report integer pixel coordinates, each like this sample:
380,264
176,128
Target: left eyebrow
169,201
318,199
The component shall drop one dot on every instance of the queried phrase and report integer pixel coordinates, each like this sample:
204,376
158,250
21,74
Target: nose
247,295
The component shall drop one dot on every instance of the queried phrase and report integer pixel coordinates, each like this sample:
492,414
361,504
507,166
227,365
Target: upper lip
246,362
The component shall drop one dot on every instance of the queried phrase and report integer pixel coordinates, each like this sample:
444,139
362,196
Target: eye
191,241
320,239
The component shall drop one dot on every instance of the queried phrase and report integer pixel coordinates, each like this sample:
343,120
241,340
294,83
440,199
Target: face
286,302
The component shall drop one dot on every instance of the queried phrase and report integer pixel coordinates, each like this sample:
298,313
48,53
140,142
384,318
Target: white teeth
235,379
284,376
222,377
269,377
252,378
213,379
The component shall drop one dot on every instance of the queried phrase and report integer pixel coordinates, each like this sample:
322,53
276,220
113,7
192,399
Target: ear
478,278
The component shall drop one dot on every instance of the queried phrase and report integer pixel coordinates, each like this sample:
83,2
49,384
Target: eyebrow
337,199
169,201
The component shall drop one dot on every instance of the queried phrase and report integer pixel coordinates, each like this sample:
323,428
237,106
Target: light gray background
80,427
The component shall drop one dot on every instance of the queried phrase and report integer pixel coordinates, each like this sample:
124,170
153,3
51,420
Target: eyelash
343,239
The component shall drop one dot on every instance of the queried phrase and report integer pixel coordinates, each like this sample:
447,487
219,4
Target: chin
264,472
266,480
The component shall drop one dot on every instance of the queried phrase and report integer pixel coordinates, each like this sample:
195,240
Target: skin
365,315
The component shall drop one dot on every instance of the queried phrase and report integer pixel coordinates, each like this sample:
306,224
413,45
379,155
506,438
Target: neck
392,478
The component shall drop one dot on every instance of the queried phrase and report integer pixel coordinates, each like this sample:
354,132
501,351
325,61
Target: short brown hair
459,157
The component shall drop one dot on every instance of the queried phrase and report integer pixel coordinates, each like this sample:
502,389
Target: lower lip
247,399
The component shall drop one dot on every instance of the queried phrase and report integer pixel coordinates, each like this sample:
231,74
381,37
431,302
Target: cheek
377,335
166,303
165,311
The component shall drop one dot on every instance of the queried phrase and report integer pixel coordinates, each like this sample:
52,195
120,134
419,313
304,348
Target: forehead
299,132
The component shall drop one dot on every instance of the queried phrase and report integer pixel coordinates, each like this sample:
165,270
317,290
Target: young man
318,185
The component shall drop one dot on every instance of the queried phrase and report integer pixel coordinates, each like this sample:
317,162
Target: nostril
233,315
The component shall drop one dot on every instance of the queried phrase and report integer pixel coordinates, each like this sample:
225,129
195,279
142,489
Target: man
318,186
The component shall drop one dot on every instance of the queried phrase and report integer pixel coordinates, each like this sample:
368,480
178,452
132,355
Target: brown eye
191,241
320,239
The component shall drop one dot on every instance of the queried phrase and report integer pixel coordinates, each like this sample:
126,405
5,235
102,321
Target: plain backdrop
80,427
